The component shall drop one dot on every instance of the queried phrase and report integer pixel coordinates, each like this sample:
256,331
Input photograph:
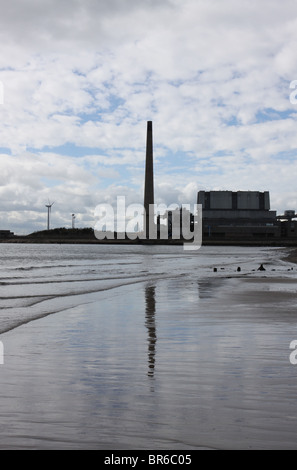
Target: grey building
238,215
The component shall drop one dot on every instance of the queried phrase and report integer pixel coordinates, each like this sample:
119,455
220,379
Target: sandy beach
161,364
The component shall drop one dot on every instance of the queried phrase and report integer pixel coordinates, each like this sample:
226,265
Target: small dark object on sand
261,268
238,269
214,270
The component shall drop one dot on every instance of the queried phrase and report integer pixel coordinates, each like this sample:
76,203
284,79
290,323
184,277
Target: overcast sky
82,77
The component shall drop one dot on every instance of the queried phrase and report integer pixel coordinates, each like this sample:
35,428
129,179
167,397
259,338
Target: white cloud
213,76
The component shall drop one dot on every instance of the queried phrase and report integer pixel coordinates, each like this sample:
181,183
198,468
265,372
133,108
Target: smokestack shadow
150,323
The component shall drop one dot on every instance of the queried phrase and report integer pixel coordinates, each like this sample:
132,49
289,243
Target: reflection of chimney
150,323
149,177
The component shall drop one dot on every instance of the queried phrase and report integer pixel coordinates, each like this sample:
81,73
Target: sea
41,279
146,347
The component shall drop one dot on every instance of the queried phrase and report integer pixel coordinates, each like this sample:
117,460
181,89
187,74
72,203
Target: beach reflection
207,288
150,323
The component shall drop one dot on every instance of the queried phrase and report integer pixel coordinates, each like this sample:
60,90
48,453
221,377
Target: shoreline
249,243
63,235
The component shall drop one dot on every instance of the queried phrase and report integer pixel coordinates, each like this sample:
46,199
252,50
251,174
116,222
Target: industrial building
238,215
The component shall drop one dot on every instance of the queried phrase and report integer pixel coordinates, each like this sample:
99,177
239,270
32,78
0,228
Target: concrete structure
229,200
238,215
149,179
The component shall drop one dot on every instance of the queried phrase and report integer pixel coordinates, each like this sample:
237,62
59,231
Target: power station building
238,215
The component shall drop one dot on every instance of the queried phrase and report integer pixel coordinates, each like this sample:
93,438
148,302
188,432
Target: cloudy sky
81,78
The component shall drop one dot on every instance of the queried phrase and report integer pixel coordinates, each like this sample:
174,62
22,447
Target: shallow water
148,348
36,280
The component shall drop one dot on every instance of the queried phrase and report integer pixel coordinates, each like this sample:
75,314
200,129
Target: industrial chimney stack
149,179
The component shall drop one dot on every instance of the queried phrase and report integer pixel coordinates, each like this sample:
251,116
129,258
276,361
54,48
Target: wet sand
161,365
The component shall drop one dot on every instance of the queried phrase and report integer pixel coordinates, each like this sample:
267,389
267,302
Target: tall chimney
149,177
